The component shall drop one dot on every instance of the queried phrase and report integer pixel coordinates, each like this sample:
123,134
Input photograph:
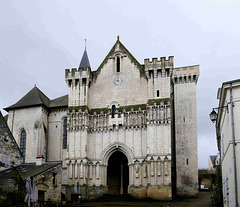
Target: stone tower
185,115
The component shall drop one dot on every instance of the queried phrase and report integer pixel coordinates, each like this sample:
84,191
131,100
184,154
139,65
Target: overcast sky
40,39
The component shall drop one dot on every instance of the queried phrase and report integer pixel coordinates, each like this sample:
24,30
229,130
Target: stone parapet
186,74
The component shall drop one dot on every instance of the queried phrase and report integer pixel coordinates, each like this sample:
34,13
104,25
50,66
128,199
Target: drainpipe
234,153
219,134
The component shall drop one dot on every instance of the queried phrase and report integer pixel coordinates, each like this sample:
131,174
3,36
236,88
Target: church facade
124,128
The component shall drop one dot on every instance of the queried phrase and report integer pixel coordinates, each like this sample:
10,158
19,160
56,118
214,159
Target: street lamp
213,115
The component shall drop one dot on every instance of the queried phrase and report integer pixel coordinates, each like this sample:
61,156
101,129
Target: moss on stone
77,108
99,110
134,107
158,101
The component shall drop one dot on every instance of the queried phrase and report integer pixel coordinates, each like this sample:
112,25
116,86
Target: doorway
41,196
117,173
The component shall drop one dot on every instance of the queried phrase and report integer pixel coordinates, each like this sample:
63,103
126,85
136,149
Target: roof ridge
34,97
40,93
111,50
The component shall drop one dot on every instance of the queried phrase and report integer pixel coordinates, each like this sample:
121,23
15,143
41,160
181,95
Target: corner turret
78,81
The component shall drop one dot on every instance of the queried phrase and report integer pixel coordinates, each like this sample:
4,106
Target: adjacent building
123,128
228,139
45,177
213,163
10,153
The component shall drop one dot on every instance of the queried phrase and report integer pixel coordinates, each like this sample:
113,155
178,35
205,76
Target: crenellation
186,74
161,64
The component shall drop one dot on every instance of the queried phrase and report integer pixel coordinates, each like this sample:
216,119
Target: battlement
162,67
161,63
186,74
77,75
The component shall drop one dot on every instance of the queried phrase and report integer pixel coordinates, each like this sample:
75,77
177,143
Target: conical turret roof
85,61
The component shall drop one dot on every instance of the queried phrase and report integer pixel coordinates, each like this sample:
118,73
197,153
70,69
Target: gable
118,49
120,79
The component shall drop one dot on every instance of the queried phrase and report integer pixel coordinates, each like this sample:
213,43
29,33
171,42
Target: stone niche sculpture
137,170
166,167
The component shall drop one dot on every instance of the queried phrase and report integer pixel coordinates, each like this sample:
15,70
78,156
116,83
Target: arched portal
117,173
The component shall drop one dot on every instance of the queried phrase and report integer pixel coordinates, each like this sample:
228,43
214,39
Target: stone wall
10,152
55,134
144,137
44,182
185,80
34,121
126,87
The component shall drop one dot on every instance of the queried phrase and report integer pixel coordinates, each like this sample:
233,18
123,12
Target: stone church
123,128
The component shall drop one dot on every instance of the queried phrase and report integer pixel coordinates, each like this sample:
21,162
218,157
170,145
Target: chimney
40,160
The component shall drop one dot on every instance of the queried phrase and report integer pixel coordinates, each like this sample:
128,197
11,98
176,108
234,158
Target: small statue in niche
166,167
152,168
159,168
81,170
145,171
101,121
137,170
97,171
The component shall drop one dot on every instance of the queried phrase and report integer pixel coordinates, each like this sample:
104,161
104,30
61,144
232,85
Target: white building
213,163
124,128
228,133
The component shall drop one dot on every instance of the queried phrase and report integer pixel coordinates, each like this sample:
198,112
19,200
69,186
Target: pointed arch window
65,133
118,64
23,138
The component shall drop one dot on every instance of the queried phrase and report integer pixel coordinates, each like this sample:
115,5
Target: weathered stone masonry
131,127
141,127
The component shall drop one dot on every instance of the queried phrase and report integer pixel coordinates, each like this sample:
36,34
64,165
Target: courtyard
202,200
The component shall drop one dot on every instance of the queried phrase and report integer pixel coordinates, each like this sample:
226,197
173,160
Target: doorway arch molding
114,147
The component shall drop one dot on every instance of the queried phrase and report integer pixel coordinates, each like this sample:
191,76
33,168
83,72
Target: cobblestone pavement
203,200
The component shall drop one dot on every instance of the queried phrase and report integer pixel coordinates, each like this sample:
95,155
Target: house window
118,64
65,133
157,93
23,144
113,110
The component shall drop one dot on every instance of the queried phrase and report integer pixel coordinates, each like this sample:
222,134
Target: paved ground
203,200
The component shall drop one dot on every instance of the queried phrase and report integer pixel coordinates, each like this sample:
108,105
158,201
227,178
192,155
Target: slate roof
85,61
213,158
59,102
27,170
35,97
